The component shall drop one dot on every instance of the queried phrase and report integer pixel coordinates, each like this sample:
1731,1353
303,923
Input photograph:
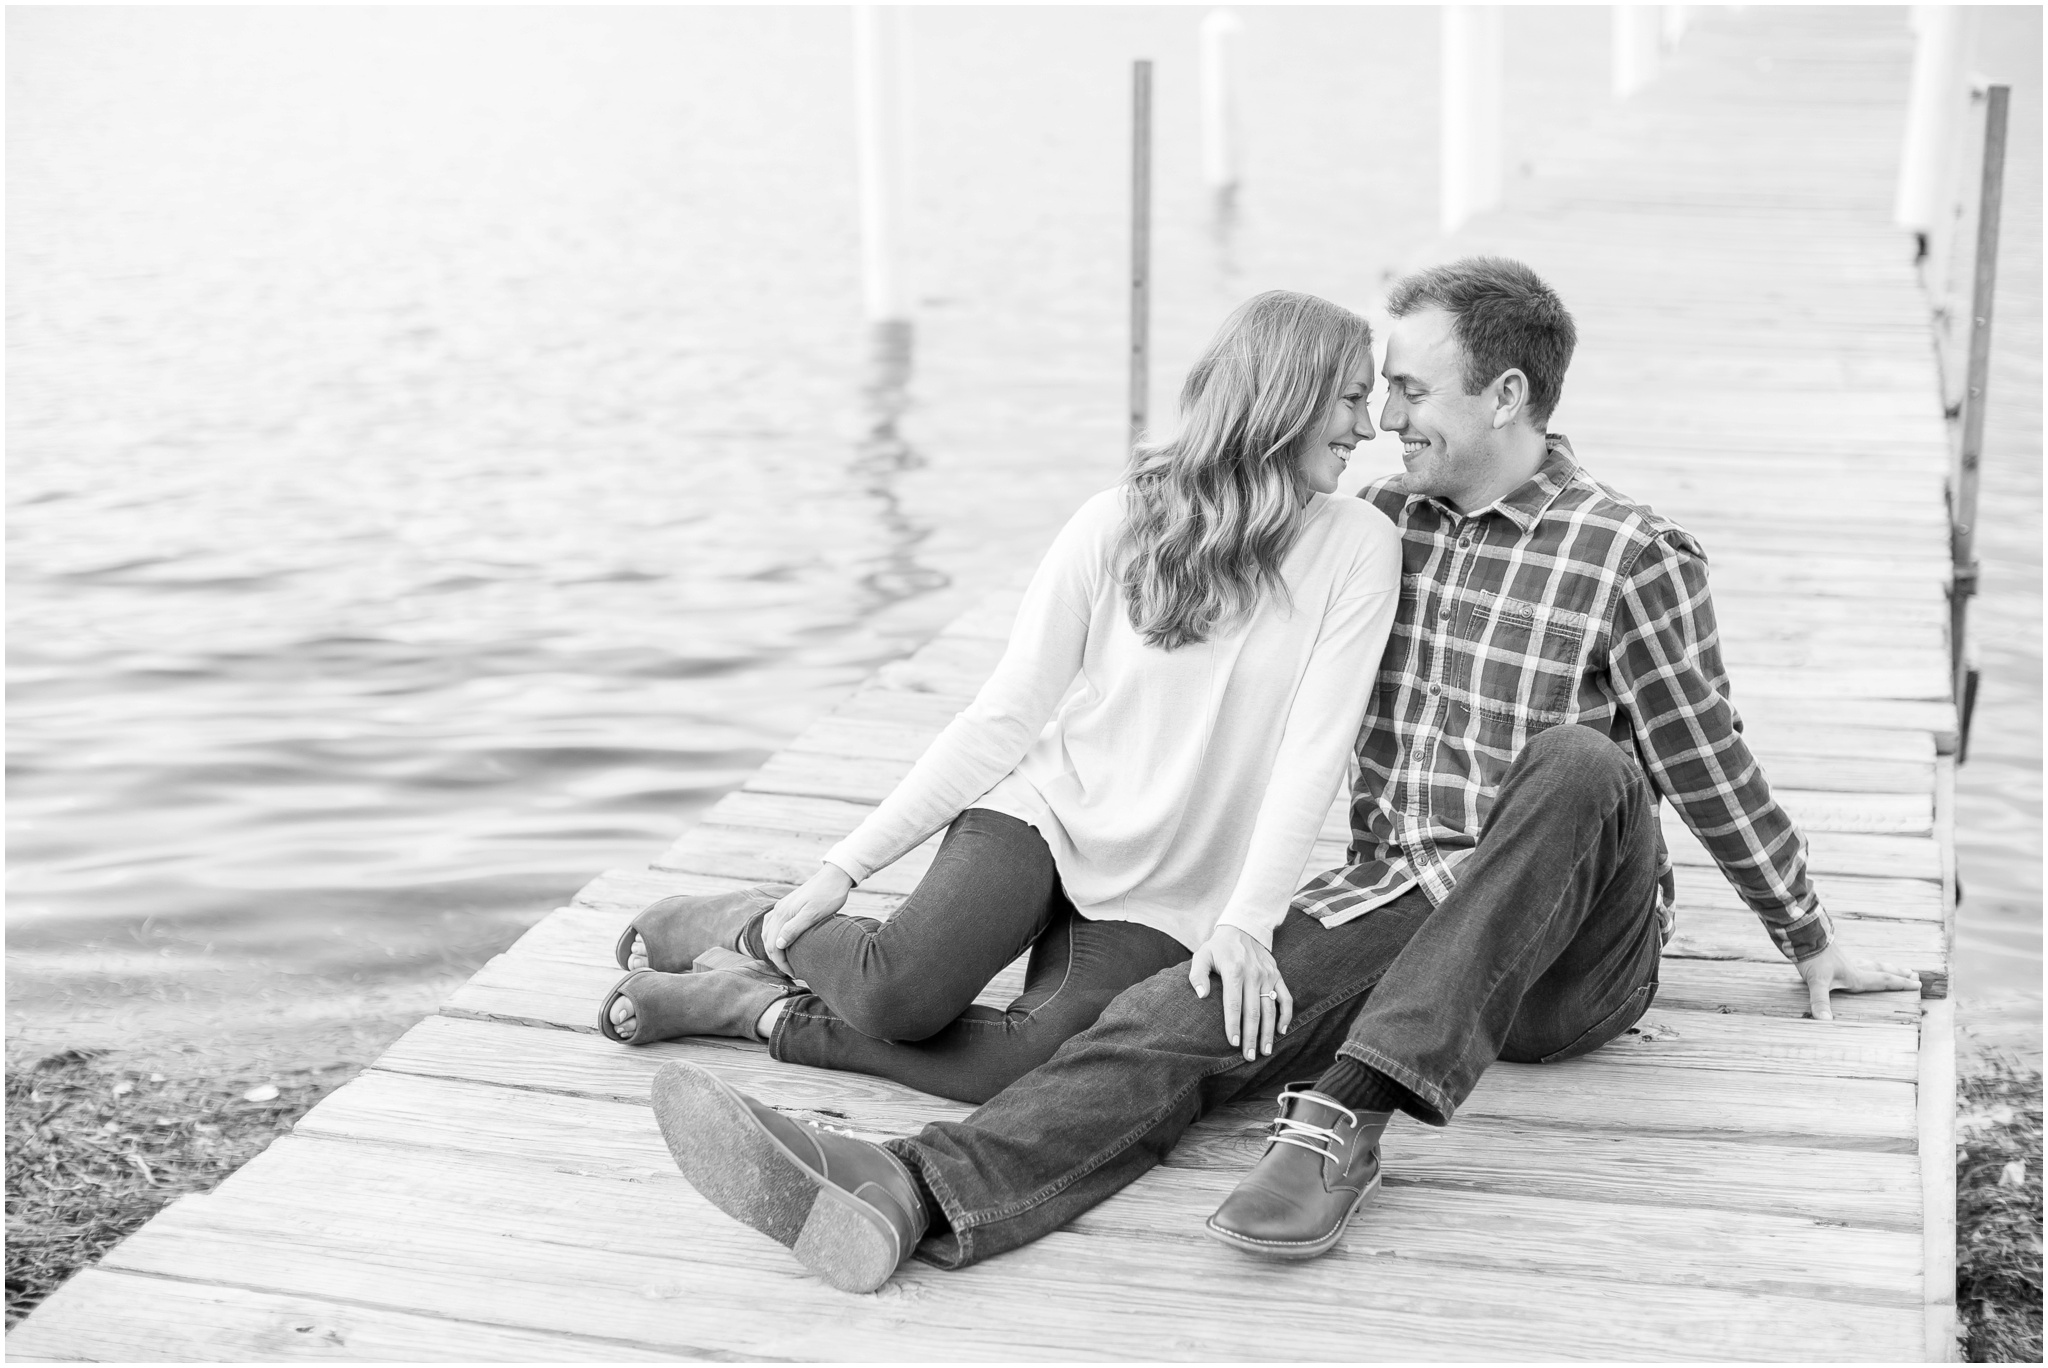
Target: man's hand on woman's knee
1256,1002
802,908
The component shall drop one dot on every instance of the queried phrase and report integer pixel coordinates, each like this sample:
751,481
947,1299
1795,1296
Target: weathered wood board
1731,1180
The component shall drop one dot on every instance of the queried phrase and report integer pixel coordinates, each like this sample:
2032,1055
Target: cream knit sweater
1179,788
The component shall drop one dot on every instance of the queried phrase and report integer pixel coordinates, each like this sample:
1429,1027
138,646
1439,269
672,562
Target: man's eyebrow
1398,377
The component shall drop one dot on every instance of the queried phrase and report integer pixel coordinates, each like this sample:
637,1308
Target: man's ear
1511,397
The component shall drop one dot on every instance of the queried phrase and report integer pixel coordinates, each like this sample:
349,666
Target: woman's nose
1363,427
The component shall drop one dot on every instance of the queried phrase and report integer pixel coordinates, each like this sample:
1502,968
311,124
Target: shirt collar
1525,505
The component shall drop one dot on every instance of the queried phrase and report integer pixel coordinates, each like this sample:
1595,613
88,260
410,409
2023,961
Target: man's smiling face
1447,436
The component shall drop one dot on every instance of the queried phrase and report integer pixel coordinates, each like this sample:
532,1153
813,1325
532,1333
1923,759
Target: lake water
438,466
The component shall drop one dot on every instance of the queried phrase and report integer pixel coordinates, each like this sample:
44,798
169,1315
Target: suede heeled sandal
677,930
724,996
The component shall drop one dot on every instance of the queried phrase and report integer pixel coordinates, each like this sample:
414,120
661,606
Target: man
1553,673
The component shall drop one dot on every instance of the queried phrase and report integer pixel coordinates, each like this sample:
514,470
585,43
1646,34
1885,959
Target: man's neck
1521,456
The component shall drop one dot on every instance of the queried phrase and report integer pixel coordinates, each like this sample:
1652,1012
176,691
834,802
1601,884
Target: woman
1224,618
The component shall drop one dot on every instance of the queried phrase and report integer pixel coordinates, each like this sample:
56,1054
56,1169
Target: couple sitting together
1134,793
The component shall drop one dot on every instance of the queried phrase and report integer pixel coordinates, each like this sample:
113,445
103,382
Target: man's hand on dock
1832,969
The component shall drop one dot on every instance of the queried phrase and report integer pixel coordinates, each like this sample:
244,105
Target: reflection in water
1223,230
882,455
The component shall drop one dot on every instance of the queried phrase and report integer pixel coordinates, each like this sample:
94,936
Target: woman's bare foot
724,994
637,958
622,1013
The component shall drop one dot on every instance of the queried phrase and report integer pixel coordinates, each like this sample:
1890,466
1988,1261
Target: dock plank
1593,1093
1453,1229
122,1317
547,992
1852,1187
495,1242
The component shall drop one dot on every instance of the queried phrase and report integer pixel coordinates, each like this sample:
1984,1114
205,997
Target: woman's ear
1511,400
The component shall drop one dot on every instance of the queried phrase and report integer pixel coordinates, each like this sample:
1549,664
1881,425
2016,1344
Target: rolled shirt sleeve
1665,666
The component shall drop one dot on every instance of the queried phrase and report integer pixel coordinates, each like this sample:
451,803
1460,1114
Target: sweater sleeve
986,740
1322,726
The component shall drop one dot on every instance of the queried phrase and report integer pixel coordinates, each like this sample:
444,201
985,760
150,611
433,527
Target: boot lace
1320,1140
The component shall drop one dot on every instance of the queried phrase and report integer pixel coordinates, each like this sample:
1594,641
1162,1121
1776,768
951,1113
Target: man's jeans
1547,949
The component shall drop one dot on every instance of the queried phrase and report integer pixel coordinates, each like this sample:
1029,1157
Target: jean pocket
1608,1027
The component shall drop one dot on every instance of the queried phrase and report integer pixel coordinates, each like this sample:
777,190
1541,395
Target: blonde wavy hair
1212,511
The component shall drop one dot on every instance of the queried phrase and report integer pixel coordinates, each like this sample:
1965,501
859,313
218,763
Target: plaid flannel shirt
1561,604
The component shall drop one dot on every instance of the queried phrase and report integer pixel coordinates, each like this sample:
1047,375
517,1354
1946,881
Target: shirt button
1464,541
1443,613
1435,689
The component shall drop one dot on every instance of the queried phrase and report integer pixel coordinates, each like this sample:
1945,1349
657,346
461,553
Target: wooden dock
1729,1181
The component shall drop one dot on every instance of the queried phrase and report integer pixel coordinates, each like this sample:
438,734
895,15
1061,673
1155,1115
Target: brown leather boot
847,1208
1321,1164
674,931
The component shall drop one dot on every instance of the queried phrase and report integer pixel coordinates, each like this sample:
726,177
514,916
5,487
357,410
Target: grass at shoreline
1998,1213
96,1147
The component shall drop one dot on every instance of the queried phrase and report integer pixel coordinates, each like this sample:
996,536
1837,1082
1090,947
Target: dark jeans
896,998
1547,949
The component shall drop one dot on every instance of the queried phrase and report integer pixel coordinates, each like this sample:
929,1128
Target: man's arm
1664,661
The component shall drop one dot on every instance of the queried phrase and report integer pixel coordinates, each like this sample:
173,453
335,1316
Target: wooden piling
1220,169
1930,117
1638,37
880,47
1474,73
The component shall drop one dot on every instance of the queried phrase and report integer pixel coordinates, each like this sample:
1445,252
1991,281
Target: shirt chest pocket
1527,659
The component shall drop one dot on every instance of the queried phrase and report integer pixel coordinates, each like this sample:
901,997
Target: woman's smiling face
1326,449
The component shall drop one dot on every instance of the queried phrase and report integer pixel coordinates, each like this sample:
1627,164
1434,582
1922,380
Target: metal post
1141,243
1930,118
1473,75
879,48
1963,509
1219,114
1638,36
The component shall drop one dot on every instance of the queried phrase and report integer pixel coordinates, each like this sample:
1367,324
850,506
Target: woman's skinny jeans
896,998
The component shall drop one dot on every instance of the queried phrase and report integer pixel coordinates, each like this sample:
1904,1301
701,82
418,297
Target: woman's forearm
1322,725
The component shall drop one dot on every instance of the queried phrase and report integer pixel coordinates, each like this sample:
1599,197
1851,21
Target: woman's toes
623,1016
636,958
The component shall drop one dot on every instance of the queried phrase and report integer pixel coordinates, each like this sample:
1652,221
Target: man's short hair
1505,317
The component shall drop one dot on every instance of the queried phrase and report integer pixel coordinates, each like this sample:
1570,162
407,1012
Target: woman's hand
1255,997
802,908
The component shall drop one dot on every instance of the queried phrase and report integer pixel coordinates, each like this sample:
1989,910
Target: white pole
1219,111
1638,34
878,49
1676,18
1473,74
906,164
1930,115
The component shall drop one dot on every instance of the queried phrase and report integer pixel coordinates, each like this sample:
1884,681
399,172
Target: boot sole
1292,1249
747,1173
